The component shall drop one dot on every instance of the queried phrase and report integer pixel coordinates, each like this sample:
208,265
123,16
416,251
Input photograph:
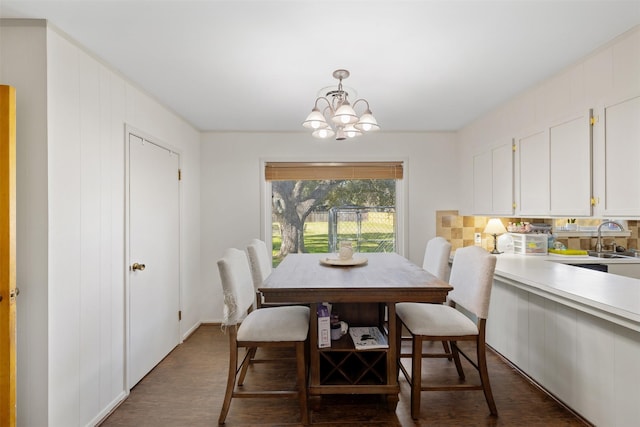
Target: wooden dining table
361,295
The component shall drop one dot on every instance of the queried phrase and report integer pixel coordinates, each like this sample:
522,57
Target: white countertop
609,296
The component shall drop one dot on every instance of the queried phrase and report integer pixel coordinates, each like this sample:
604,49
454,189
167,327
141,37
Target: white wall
71,341
23,65
608,75
231,177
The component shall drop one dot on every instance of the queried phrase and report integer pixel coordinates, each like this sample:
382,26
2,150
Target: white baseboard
102,415
191,330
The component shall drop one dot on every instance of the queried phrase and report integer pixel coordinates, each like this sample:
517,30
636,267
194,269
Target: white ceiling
258,65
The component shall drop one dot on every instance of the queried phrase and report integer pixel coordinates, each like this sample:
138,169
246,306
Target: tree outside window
301,208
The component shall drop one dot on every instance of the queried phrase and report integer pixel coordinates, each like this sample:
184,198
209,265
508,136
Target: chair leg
251,354
484,377
302,381
231,379
456,359
447,349
416,376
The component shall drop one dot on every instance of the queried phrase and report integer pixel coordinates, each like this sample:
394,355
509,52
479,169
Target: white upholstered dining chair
436,262
436,258
250,328
471,278
261,266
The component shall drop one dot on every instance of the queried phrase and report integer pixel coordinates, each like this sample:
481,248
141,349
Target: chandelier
345,121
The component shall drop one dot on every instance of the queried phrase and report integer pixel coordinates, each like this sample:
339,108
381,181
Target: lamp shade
323,133
351,132
367,122
345,114
495,226
315,120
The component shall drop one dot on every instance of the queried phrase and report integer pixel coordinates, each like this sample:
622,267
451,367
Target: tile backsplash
459,231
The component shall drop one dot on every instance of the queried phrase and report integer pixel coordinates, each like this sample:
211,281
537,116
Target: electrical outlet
477,238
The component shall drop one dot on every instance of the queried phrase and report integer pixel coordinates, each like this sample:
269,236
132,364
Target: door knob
137,266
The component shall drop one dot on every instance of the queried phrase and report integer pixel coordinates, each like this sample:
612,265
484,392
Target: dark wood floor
186,389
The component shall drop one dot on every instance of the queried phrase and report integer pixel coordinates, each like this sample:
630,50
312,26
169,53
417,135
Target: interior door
7,256
154,289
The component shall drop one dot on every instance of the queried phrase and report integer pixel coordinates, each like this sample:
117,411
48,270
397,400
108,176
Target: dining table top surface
303,278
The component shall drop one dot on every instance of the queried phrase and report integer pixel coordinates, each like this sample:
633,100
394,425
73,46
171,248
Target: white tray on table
337,262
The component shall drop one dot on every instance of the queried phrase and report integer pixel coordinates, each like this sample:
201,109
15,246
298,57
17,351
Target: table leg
314,356
392,354
392,402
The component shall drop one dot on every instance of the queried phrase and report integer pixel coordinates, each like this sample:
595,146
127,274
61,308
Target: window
316,205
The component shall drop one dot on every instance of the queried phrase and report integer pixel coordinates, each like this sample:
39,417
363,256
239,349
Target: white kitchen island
574,331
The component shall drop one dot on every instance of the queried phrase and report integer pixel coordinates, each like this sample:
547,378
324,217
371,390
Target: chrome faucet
599,241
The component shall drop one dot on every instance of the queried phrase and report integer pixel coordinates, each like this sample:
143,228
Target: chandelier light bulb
367,122
351,132
323,133
315,120
345,114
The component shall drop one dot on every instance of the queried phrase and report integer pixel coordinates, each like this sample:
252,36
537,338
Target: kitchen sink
603,254
628,254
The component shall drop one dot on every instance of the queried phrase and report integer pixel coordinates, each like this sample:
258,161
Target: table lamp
495,227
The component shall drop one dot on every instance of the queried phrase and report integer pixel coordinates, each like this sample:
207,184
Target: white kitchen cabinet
586,361
532,152
621,158
493,181
554,169
570,166
482,187
628,270
502,179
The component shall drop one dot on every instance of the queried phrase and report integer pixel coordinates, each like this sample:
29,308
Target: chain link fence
370,229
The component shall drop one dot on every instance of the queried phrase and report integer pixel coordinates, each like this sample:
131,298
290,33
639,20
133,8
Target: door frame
147,137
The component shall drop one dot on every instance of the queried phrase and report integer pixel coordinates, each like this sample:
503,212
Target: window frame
289,171
401,199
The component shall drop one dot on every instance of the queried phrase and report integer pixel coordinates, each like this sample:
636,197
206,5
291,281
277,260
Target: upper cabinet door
502,179
621,158
533,174
570,166
482,183
493,181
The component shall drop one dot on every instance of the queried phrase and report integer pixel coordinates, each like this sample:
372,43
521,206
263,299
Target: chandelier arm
358,100
328,116
323,98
